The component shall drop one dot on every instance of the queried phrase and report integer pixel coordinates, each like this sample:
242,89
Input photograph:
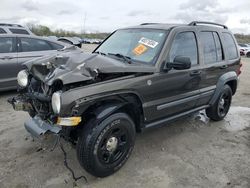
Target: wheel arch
229,78
129,103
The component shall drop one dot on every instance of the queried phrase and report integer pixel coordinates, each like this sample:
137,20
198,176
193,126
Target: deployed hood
72,65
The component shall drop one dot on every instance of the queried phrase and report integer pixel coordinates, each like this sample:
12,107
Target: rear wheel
221,107
105,147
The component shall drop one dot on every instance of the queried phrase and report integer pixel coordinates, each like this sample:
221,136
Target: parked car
244,48
14,29
15,49
71,40
99,101
54,38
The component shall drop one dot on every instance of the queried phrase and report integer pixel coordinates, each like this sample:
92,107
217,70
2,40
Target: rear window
2,31
230,48
19,31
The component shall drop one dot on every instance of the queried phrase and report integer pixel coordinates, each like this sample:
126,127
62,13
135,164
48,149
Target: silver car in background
18,47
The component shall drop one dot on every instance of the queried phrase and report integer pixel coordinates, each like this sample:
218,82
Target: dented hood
72,65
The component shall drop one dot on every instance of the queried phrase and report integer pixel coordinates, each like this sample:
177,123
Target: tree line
42,30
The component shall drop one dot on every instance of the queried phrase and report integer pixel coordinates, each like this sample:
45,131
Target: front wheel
248,54
105,147
221,107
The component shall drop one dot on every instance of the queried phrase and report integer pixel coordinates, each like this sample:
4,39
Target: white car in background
244,49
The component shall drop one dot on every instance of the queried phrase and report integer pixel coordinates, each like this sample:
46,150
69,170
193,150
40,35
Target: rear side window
218,47
230,48
19,31
30,44
2,31
211,44
6,45
184,44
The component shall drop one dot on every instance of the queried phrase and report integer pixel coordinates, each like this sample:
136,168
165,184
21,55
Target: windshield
139,45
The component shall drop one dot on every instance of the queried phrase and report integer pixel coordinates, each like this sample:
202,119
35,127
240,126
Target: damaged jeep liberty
139,77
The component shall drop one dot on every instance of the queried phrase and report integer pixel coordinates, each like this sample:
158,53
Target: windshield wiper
125,58
101,53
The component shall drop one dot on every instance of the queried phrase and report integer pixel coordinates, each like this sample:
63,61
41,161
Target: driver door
176,91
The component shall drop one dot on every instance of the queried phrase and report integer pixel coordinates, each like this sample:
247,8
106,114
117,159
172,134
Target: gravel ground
192,152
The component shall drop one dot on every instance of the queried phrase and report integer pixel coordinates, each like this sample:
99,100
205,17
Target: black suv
139,77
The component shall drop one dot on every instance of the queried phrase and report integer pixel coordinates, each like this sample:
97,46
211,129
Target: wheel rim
113,146
224,104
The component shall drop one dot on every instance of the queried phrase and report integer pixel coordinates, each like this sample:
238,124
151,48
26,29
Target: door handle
7,57
223,66
195,73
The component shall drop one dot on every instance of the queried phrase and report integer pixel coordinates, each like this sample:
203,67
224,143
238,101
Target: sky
109,15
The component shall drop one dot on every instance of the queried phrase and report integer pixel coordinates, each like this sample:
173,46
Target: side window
56,46
19,31
230,48
6,45
209,47
218,47
212,48
184,44
2,31
29,45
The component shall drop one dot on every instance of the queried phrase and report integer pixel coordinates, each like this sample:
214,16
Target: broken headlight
22,78
56,102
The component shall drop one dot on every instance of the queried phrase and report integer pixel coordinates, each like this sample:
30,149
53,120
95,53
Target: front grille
39,96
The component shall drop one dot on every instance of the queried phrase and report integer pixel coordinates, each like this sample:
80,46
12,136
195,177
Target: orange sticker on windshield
140,49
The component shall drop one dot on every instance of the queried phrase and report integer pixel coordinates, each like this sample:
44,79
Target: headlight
22,78
56,102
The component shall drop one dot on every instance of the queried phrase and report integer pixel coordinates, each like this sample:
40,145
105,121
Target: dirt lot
191,152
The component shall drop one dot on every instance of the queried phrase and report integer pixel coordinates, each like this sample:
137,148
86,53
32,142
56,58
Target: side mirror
180,63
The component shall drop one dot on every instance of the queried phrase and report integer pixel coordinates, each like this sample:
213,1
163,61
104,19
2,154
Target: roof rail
149,23
10,25
194,23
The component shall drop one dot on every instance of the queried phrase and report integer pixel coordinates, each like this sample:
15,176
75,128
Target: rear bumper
39,128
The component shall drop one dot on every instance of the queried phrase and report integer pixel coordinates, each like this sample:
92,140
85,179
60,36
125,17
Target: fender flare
229,76
104,111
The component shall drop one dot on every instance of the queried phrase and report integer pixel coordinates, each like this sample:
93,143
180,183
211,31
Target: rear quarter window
230,48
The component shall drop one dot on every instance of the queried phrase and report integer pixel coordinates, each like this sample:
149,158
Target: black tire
248,54
221,107
93,148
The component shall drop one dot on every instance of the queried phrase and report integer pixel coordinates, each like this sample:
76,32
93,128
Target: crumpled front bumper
19,103
39,128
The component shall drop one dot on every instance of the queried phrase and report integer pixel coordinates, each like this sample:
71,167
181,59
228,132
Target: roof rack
10,25
149,23
194,23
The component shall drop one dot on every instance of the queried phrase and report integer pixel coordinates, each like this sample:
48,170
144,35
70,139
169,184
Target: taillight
239,69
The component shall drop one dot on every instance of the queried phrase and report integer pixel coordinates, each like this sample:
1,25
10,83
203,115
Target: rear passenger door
216,61
30,48
8,62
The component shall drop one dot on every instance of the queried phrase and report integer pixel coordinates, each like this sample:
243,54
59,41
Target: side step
171,118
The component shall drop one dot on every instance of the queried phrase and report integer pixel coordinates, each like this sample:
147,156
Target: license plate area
19,104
